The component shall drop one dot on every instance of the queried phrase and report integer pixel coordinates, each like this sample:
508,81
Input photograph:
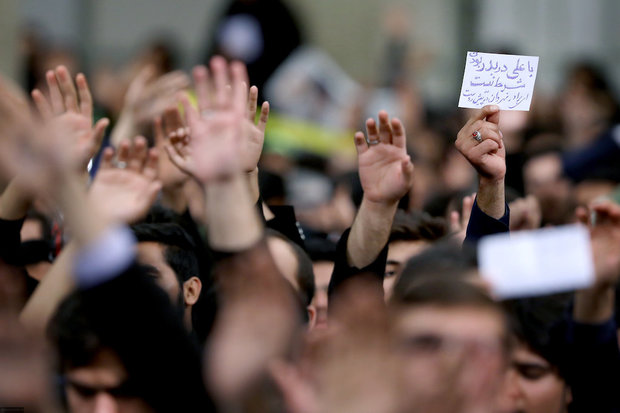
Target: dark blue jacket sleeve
604,151
593,366
481,224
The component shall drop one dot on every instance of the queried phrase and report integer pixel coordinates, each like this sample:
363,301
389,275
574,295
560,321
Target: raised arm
247,274
386,174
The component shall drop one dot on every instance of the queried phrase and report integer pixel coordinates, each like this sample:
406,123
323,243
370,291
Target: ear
311,316
191,290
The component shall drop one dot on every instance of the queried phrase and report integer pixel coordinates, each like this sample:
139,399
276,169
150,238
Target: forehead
106,370
401,251
467,322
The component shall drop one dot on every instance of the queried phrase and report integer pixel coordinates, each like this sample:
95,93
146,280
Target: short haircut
179,249
532,321
305,271
417,226
445,258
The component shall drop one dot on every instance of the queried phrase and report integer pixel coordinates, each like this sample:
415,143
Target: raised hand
216,135
488,155
458,222
210,88
169,128
69,112
603,220
125,190
385,169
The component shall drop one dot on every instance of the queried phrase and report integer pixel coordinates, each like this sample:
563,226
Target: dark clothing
481,224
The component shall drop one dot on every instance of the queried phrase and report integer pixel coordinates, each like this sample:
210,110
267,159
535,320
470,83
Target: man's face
398,254
452,352
152,254
322,274
533,385
102,387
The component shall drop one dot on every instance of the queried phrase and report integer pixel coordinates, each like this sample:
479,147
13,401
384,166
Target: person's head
447,330
535,382
169,254
411,234
295,265
322,252
444,258
94,379
36,247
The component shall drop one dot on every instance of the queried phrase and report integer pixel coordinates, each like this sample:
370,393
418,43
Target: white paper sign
498,79
529,263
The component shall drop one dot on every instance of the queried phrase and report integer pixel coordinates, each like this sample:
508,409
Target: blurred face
398,254
102,387
533,385
452,352
152,254
322,274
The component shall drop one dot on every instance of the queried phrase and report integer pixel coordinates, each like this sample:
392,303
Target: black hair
134,319
179,249
417,225
534,322
445,258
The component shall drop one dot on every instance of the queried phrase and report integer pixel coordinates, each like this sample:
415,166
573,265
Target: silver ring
369,142
121,164
477,136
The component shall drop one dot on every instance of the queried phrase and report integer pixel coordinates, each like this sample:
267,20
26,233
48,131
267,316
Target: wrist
594,305
491,198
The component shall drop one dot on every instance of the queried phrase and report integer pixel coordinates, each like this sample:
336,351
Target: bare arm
386,174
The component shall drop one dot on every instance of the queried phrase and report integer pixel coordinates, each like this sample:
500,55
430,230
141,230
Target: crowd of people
165,259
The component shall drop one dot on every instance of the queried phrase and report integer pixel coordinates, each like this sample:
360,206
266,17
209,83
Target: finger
137,155
371,130
175,157
67,88
385,131
240,88
58,105
241,70
455,221
399,138
172,120
264,117
123,151
201,82
468,204
42,104
107,158
150,166
99,131
219,70
582,215
489,112
486,147
86,99
489,132
407,169
360,143
252,103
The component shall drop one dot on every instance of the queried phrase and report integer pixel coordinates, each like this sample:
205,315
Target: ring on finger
370,143
477,136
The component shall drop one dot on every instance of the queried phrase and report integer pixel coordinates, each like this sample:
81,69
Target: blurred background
326,65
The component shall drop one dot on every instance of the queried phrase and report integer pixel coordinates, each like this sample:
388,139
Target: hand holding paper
495,79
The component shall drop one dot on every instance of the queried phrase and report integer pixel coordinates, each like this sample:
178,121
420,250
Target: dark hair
417,225
533,321
305,271
140,327
179,249
445,258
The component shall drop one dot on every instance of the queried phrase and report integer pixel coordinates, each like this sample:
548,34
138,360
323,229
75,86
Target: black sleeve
286,223
10,239
343,271
481,224
592,361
